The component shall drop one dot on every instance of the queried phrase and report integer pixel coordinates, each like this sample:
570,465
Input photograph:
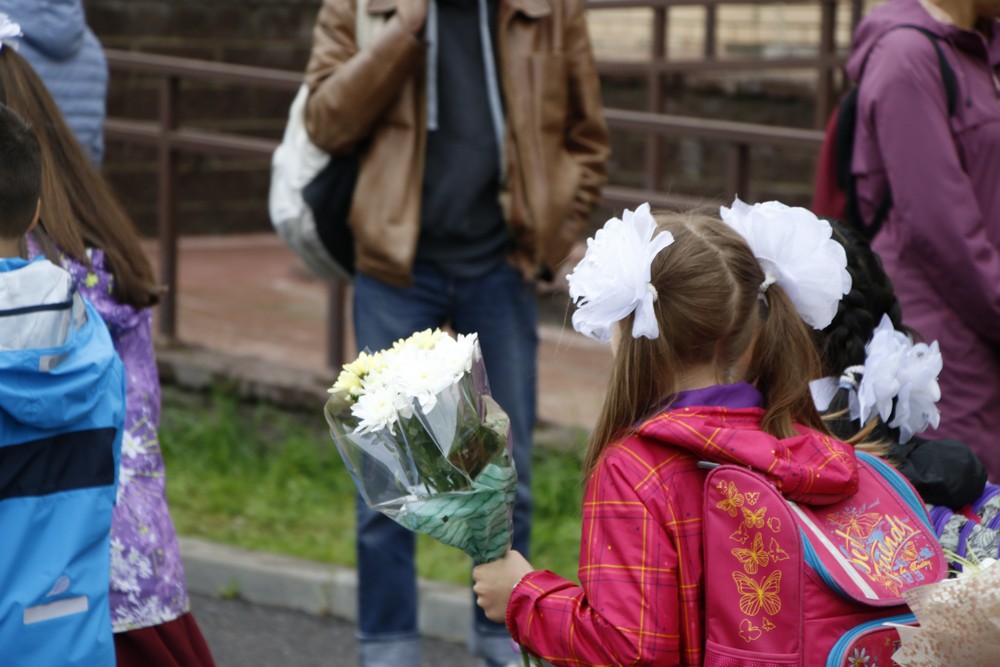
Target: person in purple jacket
941,241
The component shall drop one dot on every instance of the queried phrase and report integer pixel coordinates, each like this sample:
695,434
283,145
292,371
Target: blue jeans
500,306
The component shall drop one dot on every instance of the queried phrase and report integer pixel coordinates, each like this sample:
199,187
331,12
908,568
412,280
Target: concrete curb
314,588
200,369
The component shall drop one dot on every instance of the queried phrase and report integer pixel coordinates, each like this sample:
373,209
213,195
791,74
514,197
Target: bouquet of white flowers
425,443
959,620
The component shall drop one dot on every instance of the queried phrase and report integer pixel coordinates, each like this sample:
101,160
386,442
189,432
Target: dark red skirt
177,643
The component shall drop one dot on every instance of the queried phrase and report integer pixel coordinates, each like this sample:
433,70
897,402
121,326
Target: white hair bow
796,250
899,371
613,278
9,32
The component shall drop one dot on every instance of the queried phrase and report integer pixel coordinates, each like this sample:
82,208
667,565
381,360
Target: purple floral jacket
147,578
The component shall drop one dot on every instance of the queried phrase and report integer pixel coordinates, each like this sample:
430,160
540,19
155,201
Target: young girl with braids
946,473
711,359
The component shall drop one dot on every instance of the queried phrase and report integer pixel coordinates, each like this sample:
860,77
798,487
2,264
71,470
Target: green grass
266,479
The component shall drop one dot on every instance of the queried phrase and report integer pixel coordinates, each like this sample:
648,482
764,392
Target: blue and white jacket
62,411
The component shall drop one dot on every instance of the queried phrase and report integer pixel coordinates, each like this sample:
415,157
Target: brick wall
217,195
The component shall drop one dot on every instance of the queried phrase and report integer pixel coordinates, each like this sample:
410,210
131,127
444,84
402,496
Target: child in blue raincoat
62,395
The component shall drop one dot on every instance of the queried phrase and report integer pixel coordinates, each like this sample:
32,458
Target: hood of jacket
810,468
56,28
896,13
56,357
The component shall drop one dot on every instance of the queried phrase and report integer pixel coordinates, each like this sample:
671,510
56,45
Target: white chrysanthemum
384,387
420,377
796,250
376,410
613,278
347,384
351,380
422,340
462,354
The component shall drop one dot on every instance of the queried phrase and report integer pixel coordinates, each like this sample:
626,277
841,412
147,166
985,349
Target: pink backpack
791,584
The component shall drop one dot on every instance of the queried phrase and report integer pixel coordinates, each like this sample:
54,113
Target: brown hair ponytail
784,361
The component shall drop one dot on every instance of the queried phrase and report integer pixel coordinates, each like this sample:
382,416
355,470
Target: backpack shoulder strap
847,123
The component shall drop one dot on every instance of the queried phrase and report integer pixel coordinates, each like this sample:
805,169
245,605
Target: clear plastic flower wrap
959,620
426,444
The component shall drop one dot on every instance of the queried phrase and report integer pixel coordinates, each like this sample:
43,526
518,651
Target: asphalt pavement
242,634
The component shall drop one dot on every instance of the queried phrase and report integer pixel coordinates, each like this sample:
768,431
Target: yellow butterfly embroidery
856,523
755,557
733,498
740,535
754,518
752,497
774,523
748,631
767,624
776,552
755,595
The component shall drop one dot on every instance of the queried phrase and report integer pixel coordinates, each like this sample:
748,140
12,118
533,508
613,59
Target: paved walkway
250,297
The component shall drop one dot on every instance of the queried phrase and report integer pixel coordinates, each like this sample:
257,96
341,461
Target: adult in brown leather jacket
482,150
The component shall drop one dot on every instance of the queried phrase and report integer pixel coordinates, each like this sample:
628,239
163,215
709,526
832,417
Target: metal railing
170,139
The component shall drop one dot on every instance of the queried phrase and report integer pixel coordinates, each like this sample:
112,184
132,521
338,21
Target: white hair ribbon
902,374
9,32
796,251
613,278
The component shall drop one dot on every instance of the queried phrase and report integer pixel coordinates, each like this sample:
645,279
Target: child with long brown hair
84,228
712,356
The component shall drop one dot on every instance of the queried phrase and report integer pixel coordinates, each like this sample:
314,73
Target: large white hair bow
9,32
613,278
796,250
897,368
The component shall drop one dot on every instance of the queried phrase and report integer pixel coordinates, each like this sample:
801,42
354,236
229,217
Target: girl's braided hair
842,343
944,472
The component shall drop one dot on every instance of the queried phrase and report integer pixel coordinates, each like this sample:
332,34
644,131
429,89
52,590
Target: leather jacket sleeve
587,136
351,88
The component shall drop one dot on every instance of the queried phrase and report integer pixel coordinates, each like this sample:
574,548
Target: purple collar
739,395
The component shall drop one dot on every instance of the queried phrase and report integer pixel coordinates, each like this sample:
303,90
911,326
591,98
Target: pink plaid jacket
641,599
